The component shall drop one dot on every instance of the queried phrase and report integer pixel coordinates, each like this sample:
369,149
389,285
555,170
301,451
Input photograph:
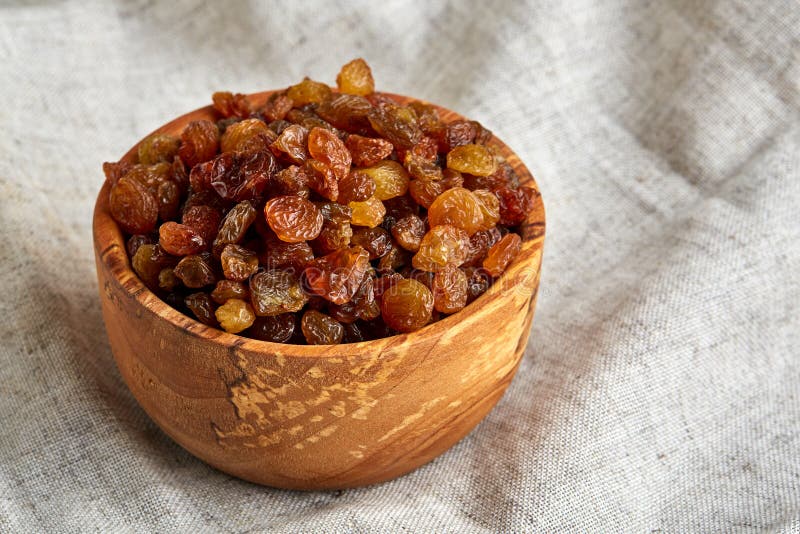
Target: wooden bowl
316,417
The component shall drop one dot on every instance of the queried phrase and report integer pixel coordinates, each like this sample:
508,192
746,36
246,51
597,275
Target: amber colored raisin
408,232
202,308
234,225
179,239
367,151
361,306
231,105
150,176
376,241
368,213
355,187
502,254
391,179
274,292
133,206
276,328
421,168
473,159
337,276
449,289
195,271
277,106
167,279
515,204
396,123
458,207
490,208
479,244
228,289
293,142
293,219
136,241
355,78
393,260
309,92
204,220
158,148
427,117
407,306
116,170
324,146
148,262
441,245
347,112
322,179
336,231
180,175
238,263
455,134
235,175
282,255
426,148
168,196
292,180
424,192
320,329
237,134
235,315
199,142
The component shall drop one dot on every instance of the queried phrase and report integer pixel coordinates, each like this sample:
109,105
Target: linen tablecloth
660,390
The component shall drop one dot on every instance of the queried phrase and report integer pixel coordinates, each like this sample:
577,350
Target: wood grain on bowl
316,417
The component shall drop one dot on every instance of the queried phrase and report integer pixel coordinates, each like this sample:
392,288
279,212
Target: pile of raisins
324,216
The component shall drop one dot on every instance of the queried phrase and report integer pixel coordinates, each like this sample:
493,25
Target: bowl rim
110,249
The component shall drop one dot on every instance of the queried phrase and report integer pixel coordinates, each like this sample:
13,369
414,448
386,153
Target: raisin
368,213
515,204
168,196
386,281
478,281
274,292
355,78
195,271
502,254
204,220
320,329
490,208
293,141
408,232
116,170
167,279
324,146
396,123
421,168
276,328
424,192
231,105
393,260
356,187
336,231
427,117
337,276
133,206
237,134
479,244
352,333
235,315
234,225
441,245
376,241
449,289
136,241
202,308
361,306
293,219
228,289
276,108
235,175
407,306
238,263
148,262
473,159
281,255
347,112
391,179
179,239
367,151
309,92
458,207
322,179
292,180
158,148
457,133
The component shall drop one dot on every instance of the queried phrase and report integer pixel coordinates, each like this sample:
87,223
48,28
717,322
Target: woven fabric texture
660,390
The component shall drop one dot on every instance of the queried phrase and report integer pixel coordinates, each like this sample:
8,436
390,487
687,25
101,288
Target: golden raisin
457,207
228,289
355,78
473,159
391,179
293,219
195,271
274,292
231,105
158,148
441,245
293,141
337,276
309,92
449,289
407,306
355,187
238,263
235,315
490,208
502,254
239,133
320,329
133,206
368,213
324,146
408,232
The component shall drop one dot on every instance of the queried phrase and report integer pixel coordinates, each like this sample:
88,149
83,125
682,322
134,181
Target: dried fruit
235,175
158,148
421,168
478,281
368,213
234,225
449,289
515,204
293,141
347,112
179,239
293,219
473,159
441,245
489,206
320,329
424,192
479,244
148,261
337,276
376,241
195,271
282,255
396,123
237,134
407,306
276,108
238,263
458,207
168,196
324,146
309,92
362,306
322,179
231,105
274,292
408,232
367,151
136,241
391,179
228,289
276,328
133,206
502,254
355,78
202,219
201,306
355,187
235,315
